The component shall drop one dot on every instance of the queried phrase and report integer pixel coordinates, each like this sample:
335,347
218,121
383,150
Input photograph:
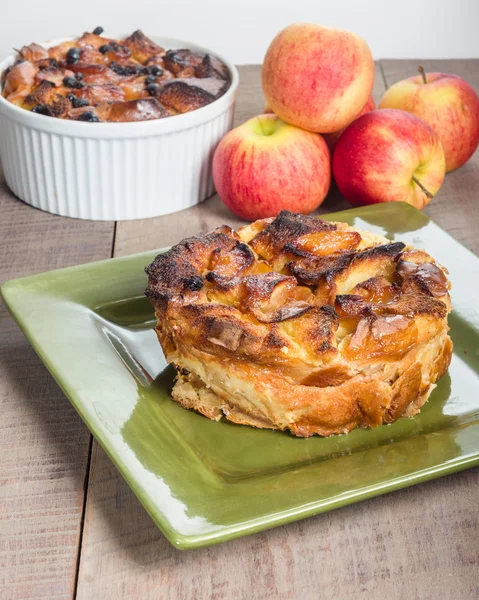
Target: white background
242,29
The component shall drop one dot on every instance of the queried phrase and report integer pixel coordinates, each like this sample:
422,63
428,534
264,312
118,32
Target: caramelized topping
182,97
296,288
430,277
324,243
387,337
286,228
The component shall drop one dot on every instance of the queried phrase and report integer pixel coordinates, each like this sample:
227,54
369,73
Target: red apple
267,165
317,78
332,138
389,155
448,104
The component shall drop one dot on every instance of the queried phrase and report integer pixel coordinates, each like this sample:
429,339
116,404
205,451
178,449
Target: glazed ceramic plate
205,482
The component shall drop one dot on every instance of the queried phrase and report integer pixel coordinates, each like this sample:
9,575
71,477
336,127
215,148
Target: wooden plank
415,543
455,207
44,444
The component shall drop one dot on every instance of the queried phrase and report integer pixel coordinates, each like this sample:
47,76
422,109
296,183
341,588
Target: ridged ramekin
114,171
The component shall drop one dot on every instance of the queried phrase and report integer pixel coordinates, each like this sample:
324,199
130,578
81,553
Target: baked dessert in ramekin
117,169
300,324
100,79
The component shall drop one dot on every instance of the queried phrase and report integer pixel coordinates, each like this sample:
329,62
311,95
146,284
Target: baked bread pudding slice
100,79
300,324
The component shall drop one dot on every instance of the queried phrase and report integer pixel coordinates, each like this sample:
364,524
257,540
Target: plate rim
8,291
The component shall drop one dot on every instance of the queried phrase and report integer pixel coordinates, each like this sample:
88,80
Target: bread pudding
95,79
300,324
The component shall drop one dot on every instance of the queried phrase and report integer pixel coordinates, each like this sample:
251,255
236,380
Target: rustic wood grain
417,543
44,445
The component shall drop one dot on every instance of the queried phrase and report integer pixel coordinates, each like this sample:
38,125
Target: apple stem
427,192
423,73
261,126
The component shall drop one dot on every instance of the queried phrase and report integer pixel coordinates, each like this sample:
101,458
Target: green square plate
205,482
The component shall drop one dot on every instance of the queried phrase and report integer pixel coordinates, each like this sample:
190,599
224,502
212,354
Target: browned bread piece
141,47
183,97
211,66
212,85
46,100
33,52
54,75
19,81
182,62
300,324
144,109
96,93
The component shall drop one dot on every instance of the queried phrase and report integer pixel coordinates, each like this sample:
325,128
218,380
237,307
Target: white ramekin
114,171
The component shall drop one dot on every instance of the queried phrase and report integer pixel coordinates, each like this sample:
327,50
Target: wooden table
71,527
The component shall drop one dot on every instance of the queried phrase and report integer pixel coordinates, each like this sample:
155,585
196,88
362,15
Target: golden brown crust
124,74
142,48
181,97
301,324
